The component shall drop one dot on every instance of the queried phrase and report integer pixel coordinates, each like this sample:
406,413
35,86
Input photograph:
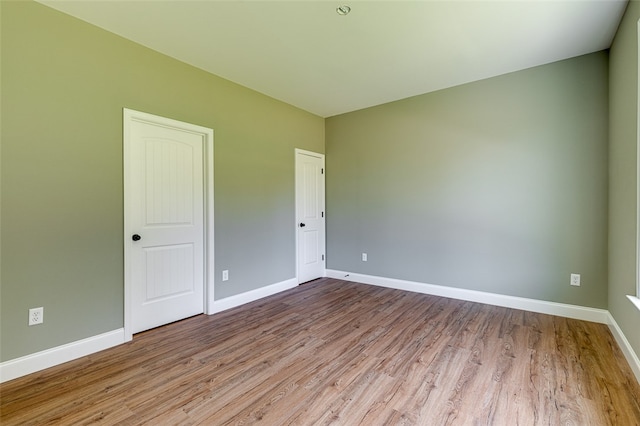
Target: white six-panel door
310,220
165,206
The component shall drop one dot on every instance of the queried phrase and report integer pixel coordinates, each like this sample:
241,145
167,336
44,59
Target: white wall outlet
364,257
225,275
36,316
575,280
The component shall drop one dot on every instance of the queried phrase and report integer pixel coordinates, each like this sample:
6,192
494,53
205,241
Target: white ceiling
305,54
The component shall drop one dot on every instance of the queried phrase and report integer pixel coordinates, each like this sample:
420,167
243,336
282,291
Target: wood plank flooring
334,352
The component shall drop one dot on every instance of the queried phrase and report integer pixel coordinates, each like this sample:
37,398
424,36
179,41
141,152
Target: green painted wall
498,185
623,191
64,84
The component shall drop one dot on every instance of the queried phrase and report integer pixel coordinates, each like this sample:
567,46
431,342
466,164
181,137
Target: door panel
311,247
169,182
169,271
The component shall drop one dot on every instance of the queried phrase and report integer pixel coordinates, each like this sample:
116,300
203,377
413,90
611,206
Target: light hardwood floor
334,352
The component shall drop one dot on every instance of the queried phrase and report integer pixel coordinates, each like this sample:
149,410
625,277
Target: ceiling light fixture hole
343,10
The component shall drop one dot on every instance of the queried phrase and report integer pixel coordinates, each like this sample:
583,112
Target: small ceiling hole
343,10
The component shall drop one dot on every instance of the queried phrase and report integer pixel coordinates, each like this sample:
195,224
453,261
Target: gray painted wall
64,84
623,191
498,185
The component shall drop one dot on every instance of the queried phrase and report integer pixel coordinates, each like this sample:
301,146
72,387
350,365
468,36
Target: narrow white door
164,220
310,220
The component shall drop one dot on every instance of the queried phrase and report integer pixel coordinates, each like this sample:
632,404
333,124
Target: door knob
136,237
302,225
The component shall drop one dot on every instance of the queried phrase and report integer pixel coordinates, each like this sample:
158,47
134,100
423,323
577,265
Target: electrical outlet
575,280
36,316
364,257
225,275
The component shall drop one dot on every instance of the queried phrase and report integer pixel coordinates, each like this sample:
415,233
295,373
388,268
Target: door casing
129,116
322,207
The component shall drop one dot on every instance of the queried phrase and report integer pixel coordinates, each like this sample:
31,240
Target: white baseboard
32,363
533,305
552,308
625,346
28,364
250,296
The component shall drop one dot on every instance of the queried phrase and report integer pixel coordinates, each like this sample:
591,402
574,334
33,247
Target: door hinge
322,214
323,257
321,171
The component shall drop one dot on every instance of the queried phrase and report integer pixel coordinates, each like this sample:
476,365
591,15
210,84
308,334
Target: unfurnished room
317,212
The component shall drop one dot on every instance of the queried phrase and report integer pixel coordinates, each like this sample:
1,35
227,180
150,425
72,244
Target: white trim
541,306
28,364
533,305
638,169
32,363
253,295
635,301
625,346
323,207
209,225
130,115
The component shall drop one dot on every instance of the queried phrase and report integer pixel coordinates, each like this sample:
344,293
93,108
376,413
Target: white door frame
324,208
130,116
